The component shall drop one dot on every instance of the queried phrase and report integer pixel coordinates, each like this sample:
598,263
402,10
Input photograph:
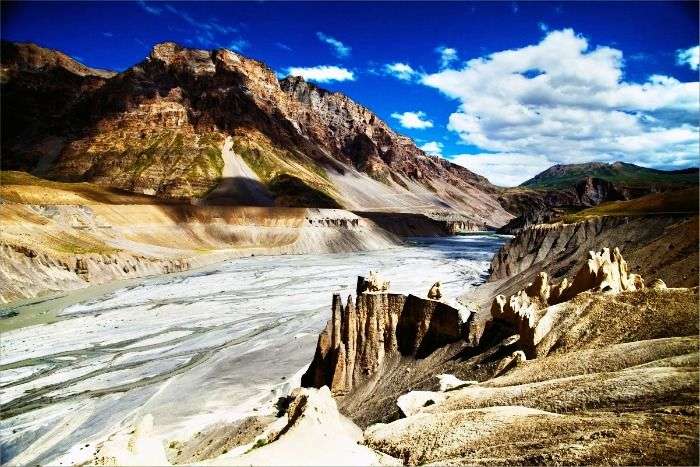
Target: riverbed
198,348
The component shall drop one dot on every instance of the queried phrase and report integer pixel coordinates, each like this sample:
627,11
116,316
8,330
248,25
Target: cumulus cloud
447,55
413,120
401,71
690,57
434,148
341,50
560,101
322,73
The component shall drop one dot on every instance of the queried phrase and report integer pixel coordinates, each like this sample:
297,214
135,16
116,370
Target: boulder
449,382
375,283
411,403
434,293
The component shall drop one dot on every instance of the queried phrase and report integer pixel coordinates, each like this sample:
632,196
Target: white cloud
503,169
447,55
283,46
341,50
207,33
401,71
434,148
412,120
543,26
690,57
322,73
238,45
148,8
560,101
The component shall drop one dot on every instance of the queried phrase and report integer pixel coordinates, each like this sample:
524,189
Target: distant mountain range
621,174
564,189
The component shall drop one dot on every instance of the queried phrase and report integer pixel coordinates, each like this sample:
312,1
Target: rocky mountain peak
172,54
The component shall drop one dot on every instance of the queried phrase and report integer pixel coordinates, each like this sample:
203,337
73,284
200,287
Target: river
195,349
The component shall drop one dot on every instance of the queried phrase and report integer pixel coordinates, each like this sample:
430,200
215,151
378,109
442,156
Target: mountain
621,174
564,189
215,127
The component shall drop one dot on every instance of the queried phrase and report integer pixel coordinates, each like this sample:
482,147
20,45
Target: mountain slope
160,128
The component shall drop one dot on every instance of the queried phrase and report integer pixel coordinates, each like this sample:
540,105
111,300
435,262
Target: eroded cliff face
655,246
65,247
361,339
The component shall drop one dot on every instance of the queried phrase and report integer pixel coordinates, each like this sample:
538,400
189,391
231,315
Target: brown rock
434,293
359,339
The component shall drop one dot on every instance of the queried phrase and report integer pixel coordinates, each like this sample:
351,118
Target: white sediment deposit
193,349
53,248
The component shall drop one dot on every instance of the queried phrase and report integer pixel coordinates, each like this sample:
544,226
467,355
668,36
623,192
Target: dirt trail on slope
239,184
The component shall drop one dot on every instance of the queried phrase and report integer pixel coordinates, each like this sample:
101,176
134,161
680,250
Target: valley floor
115,357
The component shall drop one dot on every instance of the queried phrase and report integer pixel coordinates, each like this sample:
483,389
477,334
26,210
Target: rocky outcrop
603,272
434,293
380,326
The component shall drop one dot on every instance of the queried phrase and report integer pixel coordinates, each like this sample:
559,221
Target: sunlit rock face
604,271
379,326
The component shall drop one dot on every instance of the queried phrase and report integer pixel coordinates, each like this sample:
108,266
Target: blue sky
503,88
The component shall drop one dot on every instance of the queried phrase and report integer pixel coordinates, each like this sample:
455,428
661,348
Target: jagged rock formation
613,374
161,127
360,339
603,272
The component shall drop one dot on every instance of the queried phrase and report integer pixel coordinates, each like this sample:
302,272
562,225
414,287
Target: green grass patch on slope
295,179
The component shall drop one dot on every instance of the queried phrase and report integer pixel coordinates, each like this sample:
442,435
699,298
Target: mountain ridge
159,128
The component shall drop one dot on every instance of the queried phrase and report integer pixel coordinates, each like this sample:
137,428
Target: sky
505,89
